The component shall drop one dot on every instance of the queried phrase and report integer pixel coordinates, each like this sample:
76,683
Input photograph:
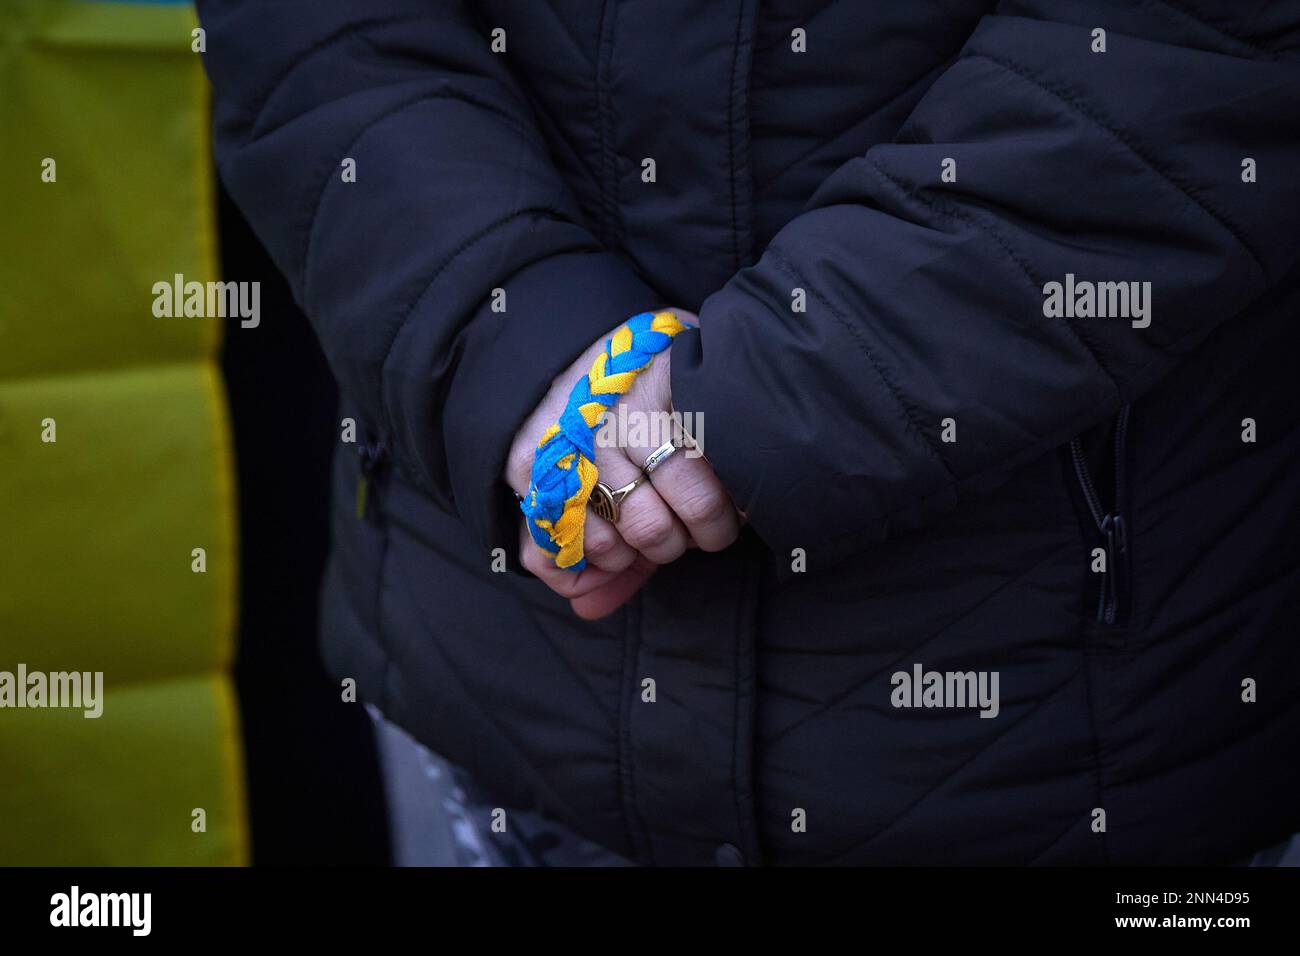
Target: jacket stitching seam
911,652
1168,7
953,212
605,133
1078,106
1095,733
314,220
745,623
503,734
395,333
344,33
980,751
928,76
731,137
1055,841
580,679
638,837
912,425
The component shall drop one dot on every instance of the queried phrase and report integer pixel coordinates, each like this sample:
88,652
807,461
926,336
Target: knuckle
599,544
650,528
519,463
704,508
529,558
563,583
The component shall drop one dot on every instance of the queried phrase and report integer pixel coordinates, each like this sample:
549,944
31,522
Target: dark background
314,788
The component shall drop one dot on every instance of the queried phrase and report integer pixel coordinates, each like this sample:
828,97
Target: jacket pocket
1113,575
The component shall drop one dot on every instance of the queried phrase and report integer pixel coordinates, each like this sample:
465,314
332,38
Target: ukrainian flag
117,537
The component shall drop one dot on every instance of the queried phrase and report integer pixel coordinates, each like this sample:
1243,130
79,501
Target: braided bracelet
564,465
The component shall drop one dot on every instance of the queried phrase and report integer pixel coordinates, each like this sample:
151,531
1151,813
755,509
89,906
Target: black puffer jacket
950,464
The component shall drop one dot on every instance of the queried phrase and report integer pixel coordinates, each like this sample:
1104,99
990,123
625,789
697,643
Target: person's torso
723,717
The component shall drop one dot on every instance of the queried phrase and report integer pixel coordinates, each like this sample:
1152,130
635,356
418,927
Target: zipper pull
1119,532
1113,527
370,456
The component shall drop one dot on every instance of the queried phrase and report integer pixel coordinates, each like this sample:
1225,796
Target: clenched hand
684,504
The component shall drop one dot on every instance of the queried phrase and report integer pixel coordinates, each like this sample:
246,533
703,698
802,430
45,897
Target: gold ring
606,501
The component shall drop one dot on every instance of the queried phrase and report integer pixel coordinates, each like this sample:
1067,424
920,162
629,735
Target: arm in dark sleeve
455,196
925,298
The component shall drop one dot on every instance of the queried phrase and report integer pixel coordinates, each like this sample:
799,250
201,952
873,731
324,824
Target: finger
604,546
519,460
612,595
567,584
689,487
645,521
519,465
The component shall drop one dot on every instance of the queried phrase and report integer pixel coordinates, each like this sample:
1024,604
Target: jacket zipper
371,456
1110,522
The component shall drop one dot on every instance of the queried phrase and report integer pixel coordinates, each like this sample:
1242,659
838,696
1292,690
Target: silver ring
659,456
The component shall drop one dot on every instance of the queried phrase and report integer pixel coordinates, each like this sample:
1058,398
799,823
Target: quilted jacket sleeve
454,196
925,298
